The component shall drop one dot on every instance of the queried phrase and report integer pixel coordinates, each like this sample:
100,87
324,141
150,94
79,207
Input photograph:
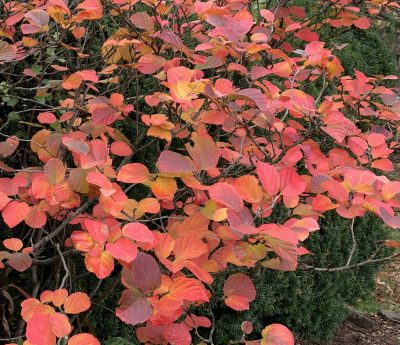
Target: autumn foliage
159,137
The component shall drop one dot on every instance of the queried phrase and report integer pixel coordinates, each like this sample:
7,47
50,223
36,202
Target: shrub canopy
149,142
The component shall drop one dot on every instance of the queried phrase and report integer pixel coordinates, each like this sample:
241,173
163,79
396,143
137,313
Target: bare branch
349,267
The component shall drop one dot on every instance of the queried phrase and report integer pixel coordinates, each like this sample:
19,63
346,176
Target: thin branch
354,245
347,268
54,259
67,274
62,226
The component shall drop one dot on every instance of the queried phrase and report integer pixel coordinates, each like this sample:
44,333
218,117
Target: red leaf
138,232
142,21
150,63
47,118
362,23
383,164
122,249
269,178
282,240
15,212
227,195
8,147
145,274
171,162
97,229
239,291
7,51
177,334
246,327
134,308
38,330
75,144
4,200
97,155
120,148
291,182
204,153
20,261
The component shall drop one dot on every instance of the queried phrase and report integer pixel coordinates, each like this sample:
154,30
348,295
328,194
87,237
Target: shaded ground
384,332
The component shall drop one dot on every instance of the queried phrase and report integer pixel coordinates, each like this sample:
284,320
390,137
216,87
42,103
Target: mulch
383,332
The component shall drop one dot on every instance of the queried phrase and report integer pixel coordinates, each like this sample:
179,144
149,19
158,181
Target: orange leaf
15,212
36,217
248,188
83,339
189,247
59,325
101,264
72,82
149,205
54,171
164,188
14,244
133,173
77,303
276,334
82,241
360,180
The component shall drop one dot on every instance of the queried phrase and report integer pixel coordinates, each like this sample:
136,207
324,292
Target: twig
61,227
349,267
67,274
354,245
